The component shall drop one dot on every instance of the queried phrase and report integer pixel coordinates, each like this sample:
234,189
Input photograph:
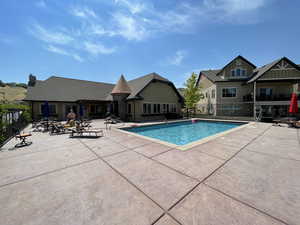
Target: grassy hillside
12,93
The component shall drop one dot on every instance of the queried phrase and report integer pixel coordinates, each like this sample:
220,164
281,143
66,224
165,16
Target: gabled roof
211,75
138,84
68,90
257,73
71,90
121,87
238,57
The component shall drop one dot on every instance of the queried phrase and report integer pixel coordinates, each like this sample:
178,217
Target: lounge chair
295,124
83,132
113,120
287,120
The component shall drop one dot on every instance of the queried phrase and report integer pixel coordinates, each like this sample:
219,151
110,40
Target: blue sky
100,39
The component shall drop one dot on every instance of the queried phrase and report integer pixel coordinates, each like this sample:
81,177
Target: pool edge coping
192,144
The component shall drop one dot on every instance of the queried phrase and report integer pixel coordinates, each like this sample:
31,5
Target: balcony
280,97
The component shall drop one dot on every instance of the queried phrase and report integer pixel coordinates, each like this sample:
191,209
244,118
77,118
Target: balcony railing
280,97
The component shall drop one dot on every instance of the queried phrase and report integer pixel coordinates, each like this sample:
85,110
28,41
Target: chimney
32,80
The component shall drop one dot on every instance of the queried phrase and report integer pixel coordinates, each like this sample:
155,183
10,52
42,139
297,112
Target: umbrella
81,110
294,104
46,110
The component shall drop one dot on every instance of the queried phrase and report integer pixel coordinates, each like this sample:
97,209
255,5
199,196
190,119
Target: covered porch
93,109
272,98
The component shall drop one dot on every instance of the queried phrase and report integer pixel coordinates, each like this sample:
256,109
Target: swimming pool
182,133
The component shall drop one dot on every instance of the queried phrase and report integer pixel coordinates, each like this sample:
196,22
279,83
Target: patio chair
57,128
23,140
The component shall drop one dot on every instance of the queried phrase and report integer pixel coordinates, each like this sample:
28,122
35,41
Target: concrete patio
250,176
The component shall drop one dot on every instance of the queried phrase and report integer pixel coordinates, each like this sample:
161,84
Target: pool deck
249,176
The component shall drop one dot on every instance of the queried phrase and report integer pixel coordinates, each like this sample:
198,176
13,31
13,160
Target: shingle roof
71,90
212,75
121,87
137,85
258,72
238,57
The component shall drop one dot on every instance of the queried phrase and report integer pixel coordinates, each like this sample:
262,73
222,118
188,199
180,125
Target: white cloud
96,49
46,35
41,4
137,20
129,27
178,57
83,12
98,29
234,6
134,7
61,51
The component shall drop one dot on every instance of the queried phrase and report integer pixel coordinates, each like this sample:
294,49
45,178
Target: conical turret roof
121,87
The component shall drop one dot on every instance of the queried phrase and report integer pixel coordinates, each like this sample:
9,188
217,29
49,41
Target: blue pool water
182,133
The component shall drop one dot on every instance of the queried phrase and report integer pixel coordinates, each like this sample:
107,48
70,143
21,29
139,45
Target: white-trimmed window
164,108
154,108
229,92
173,108
213,93
238,72
149,111
147,108
158,108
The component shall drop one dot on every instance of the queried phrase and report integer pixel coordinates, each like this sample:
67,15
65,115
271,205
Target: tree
192,93
2,84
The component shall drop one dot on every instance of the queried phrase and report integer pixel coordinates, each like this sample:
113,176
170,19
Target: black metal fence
11,122
244,109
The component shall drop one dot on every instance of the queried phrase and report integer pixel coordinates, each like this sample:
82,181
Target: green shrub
24,118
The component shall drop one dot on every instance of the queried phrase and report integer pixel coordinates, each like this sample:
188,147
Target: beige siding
282,88
205,104
242,90
238,64
155,93
233,105
37,113
281,74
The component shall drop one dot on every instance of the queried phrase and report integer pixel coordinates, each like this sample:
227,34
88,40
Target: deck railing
280,97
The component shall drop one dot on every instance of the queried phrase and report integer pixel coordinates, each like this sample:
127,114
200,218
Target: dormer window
238,72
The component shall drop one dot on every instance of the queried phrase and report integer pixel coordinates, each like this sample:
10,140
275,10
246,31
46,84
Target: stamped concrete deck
250,176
